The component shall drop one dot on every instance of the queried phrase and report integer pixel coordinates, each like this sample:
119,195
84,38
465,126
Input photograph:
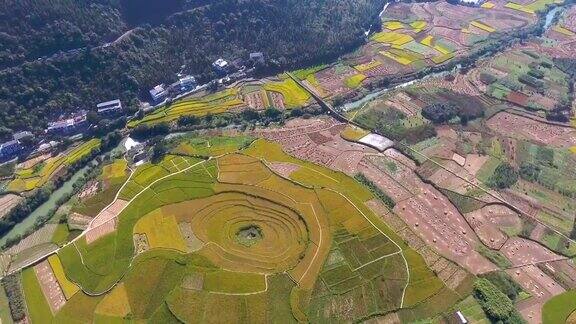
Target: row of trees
11,285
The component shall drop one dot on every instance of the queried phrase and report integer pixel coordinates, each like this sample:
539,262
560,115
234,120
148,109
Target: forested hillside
291,33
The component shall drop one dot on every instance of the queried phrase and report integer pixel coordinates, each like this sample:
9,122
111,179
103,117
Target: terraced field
198,236
35,177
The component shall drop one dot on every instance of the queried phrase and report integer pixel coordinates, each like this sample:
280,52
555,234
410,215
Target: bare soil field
539,285
449,272
318,141
564,271
532,130
108,213
487,231
89,190
7,202
441,226
41,236
33,161
474,162
283,169
525,252
94,233
50,287
255,100
79,221
277,100
105,222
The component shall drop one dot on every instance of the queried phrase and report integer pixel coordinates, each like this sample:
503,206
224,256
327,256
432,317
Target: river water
550,16
371,96
43,210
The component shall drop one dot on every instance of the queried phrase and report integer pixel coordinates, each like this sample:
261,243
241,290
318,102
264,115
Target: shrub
529,172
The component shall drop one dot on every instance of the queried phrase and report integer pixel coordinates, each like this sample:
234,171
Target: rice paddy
37,176
294,95
264,240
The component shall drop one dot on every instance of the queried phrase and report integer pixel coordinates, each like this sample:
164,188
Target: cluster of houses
78,122
161,91
71,125
15,146
224,69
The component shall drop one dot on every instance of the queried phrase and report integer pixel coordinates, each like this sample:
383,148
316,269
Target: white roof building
109,106
158,92
376,141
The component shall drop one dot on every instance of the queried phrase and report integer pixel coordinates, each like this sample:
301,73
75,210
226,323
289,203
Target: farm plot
38,175
293,95
532,130
216,103
107,186
257,244
210,146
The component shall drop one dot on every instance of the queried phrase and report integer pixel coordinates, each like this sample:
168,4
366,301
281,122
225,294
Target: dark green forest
291,33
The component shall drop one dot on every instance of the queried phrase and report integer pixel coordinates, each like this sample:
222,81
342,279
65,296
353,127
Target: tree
439,112
249,114
159,150
504,177
495,304
188,120
272,113
529,172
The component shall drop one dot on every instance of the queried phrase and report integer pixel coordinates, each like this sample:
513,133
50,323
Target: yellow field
355,81
442,58
115,303
488,5
294,95
161,231
482,26
117,169
393,25
392,38
564,31
403,57
367,66
353,133
418,25
217,103
515,6
68,287
35,177
428,41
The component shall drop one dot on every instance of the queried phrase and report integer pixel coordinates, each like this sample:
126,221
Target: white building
109,107
220,65
257,57
158,92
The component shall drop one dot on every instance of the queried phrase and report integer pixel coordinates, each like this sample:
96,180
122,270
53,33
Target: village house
68,126
15,146
158,93
257,57
184,84
221,66
109,107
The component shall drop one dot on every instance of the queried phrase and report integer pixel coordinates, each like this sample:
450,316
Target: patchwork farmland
276,242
